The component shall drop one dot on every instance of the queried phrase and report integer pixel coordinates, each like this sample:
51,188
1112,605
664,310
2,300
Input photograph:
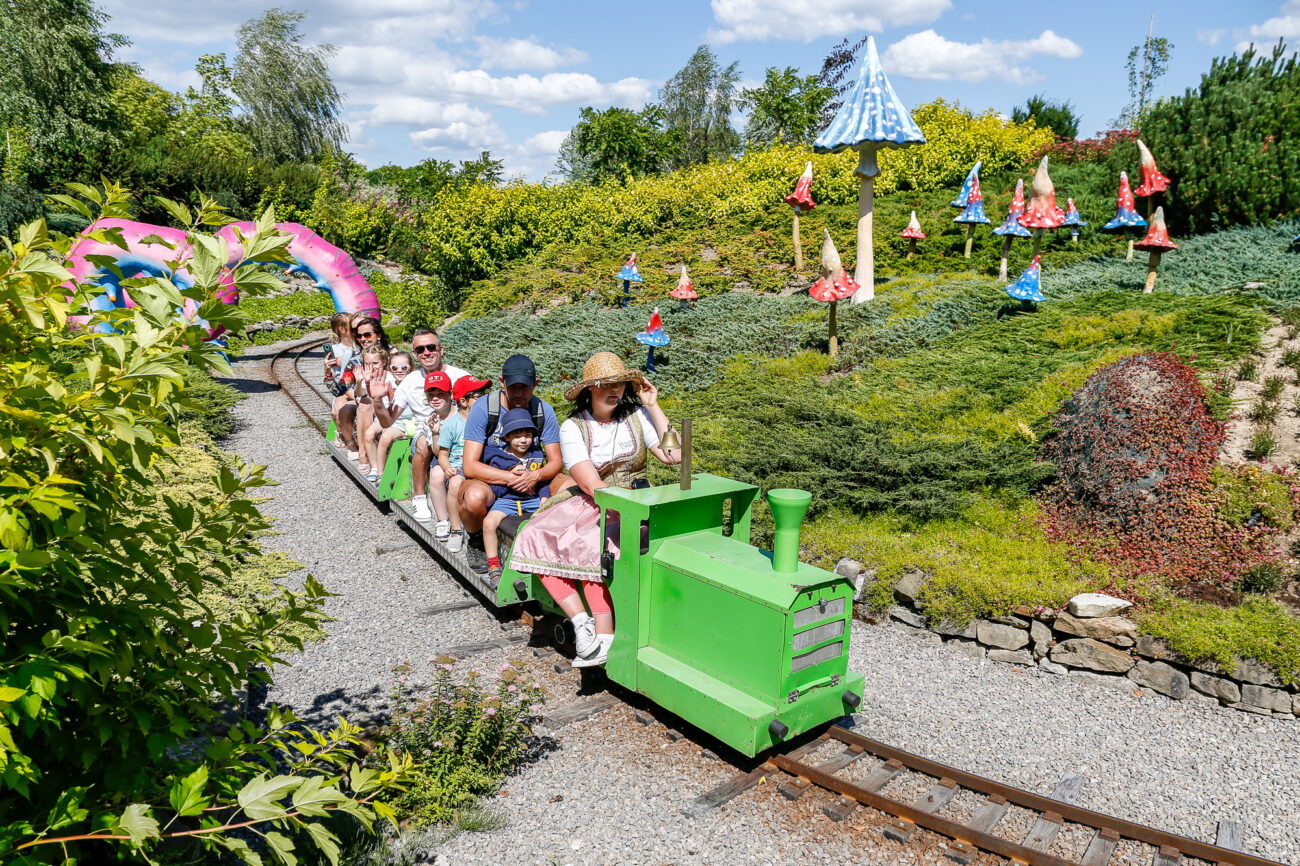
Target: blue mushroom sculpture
1028,289
653,336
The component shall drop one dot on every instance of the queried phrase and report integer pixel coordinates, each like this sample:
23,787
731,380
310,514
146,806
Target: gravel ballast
612,790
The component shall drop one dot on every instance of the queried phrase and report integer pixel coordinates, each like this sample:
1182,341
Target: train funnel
788,510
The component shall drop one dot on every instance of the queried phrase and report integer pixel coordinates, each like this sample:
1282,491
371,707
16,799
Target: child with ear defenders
521,453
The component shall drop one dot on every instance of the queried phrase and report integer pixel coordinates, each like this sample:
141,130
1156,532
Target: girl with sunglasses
379,438
370,335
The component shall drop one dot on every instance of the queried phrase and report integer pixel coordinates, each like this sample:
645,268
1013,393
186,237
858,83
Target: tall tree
56,67
697,103
291,106
834,74
1059,117
787,107
617,143
1146,63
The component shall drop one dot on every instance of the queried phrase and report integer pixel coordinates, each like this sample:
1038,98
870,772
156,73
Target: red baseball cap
466,384
439,381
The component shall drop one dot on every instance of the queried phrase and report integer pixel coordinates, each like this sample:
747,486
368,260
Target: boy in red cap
447,476
437,391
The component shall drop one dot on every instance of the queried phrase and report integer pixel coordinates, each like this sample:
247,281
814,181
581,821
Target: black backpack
535,407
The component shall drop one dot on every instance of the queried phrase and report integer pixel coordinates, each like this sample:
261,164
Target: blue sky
449,78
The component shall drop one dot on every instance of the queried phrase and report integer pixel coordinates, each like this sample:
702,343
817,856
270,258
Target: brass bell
670,440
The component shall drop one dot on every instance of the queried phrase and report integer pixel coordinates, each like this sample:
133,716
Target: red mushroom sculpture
1041,213
1152,180
685,291
833,286
913,234
1156,243
801,200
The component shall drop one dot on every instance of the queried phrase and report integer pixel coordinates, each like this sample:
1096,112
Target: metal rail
1049,809
301,349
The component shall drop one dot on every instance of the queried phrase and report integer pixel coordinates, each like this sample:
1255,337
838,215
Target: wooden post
1153,264
865,270
1038,243
911,247
970,237
798,247
1006,252
686,454
835,338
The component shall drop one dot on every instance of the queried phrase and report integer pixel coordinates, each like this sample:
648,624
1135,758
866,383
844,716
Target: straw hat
602,368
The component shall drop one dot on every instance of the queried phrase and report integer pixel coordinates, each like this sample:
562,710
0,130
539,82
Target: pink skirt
563,541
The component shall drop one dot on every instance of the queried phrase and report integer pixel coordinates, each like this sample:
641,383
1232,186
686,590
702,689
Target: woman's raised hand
649,393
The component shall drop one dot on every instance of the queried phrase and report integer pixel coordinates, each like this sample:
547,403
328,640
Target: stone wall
1091,640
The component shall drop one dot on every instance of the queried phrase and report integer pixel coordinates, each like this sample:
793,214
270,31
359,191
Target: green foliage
422,182
1263,578
208,404
697,103
1145,65
1250,493
1059,117
462,737
983,562
787,107
19,204
113,655
1257,628
1263,444
618,144
1231,146
285,87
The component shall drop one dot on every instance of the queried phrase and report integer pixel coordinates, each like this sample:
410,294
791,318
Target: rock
948,629
1050,667
1091,654
1154,648
907,616
1216,687
1094,604
1005,637
908,587
1161,678
1273,700
1042,638
1195,697
1016,621
848,568
1107,680
1112,629
966,647
1295,705
1012,657
1258,673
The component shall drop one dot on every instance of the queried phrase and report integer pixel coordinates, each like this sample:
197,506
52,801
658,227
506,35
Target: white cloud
525,54
1285,25
809,19
401,110
546,143
459,136
531,94
927,55
1211,37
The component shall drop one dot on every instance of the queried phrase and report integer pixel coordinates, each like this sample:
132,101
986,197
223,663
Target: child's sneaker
494,573
604,641
442,530
420,505
584,635
456,541
373,476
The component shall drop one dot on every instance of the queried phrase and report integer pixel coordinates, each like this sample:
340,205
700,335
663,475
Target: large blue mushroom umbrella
871,117
629,275
653,336
1028,290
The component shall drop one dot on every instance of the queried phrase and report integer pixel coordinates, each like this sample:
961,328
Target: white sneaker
421,507
442,530
604,642
456,541
584,635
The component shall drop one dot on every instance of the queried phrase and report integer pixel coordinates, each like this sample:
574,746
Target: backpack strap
494,413
538,409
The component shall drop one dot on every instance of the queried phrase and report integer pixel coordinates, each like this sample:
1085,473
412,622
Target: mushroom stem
835,338
970,237
1129,257
1074,236
650,360
864,272
911,247
798,247
1153,265
1038,243
627,292
1002,265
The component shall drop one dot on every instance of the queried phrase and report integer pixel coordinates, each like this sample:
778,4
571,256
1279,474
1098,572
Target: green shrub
1252,492
463,738
1231,146
1257,628
1263,411
1272,389
1263,578
1248,370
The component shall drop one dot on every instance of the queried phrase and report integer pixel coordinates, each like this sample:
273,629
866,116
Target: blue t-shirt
499,458
452,437
476,424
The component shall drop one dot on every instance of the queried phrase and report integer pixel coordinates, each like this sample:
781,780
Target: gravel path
612,790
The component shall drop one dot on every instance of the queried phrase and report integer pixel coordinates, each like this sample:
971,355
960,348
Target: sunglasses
366,334
427,347
400,369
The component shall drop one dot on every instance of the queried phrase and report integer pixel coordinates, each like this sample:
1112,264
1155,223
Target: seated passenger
448,473
518,379
520,453
370,334
379,437
437,393
604,443
380,388
410,396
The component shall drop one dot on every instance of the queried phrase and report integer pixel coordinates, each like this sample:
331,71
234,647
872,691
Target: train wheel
563,632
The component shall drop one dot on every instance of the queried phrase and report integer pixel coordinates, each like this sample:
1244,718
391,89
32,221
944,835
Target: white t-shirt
410,394
608,441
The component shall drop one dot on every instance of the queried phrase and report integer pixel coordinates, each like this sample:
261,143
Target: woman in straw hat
616,420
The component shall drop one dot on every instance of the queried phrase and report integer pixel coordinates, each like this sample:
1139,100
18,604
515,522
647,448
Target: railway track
890,768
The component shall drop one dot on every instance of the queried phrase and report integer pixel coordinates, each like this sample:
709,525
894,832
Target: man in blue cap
518,381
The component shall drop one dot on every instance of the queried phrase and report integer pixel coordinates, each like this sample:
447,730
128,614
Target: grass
1257,628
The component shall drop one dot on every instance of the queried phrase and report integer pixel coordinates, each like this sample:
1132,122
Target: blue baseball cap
519,370
516,419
